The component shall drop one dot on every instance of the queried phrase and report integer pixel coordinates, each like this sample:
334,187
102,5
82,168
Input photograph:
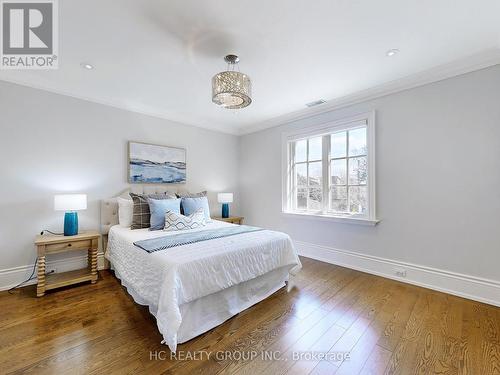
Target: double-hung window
329,170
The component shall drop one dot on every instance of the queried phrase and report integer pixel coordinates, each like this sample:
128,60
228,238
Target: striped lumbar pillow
174,221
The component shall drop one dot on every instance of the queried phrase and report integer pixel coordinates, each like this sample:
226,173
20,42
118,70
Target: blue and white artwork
156,164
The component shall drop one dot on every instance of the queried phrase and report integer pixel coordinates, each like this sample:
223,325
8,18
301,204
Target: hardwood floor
385,326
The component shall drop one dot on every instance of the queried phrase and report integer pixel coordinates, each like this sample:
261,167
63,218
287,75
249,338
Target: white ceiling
158,56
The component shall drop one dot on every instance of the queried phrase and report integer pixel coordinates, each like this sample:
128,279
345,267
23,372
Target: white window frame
288,139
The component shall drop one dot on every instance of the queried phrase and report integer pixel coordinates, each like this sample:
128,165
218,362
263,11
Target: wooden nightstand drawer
67,246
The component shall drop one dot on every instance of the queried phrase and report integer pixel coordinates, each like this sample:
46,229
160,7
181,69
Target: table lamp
70,203
225,199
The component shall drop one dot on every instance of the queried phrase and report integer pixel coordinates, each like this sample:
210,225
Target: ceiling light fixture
231,89
87,66
392,52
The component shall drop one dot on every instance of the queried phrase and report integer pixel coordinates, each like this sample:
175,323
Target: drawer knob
69,245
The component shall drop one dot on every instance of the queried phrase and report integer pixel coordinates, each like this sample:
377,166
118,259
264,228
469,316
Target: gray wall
51,143
438,153
438,178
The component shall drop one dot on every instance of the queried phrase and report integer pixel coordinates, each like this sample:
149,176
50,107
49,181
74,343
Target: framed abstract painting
154,164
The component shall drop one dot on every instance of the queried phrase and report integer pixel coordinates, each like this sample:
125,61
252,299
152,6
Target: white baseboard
466,286
11,277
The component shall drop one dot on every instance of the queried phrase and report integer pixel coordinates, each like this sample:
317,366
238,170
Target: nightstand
230,219
52,244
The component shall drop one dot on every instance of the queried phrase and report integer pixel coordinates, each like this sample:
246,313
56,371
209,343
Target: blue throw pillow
191,205
159,208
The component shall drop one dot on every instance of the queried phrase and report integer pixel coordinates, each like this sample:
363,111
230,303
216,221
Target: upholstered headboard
109,207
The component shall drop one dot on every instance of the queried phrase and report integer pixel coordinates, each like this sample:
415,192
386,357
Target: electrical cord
48,231
25,281
32,276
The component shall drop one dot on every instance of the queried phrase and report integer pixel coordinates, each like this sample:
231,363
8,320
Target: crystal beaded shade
231,89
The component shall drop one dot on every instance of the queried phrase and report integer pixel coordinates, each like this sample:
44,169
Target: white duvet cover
166,279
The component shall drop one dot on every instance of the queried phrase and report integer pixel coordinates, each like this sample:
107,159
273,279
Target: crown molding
467,65
129,107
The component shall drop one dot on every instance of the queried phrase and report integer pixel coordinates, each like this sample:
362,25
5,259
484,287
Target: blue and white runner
161,243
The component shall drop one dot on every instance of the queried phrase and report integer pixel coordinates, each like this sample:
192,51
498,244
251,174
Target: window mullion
347,173
325,163
307,174
292,196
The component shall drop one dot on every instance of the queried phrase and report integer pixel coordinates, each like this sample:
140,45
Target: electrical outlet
401,272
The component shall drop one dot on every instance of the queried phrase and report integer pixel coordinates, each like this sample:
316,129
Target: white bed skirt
203,314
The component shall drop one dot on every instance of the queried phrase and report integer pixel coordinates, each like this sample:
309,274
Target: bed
195,287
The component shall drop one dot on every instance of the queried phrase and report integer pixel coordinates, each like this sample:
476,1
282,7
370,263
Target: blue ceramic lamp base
225,210
70,224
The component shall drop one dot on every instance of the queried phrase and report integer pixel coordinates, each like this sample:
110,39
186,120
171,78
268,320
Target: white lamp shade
225,197
70,202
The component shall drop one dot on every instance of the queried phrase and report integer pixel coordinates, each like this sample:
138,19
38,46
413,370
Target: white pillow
174,221
125,211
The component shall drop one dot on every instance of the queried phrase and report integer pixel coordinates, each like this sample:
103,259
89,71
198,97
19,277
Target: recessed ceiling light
392,52
87,66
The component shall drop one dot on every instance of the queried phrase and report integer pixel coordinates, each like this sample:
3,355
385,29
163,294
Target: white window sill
337,219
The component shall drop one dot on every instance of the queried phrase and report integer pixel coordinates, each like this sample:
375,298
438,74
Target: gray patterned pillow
175,221
192,195
141,215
